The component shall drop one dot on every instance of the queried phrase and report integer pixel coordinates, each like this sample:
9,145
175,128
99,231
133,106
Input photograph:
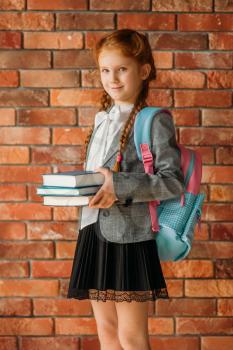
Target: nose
113,77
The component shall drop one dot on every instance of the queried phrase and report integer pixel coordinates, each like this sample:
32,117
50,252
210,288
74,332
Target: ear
145,71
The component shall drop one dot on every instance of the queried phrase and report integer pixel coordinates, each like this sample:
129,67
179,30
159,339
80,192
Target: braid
139,104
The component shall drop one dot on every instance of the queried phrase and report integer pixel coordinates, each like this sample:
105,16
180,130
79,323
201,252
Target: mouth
116,88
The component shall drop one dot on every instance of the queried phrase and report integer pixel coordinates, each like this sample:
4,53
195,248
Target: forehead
113,57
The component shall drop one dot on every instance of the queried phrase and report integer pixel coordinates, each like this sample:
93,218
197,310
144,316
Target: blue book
66,191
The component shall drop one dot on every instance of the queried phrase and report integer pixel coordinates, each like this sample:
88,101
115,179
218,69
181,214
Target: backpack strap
142,140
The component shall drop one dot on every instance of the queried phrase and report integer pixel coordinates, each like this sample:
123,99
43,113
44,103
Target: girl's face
121,76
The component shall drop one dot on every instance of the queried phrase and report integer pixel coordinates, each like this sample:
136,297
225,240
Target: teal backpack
173,220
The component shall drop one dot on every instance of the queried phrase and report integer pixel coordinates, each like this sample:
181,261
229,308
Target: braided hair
132,44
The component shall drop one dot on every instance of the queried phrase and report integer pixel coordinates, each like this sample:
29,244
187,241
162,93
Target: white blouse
108,124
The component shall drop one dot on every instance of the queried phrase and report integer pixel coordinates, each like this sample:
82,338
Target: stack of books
70,188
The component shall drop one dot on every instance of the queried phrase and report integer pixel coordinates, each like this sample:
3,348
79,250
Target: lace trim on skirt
119,296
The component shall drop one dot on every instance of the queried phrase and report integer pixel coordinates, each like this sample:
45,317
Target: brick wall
48,98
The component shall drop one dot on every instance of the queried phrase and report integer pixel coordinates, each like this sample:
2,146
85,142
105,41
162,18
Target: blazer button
106,212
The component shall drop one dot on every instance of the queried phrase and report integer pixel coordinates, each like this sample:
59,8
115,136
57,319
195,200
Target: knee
107,331
129,340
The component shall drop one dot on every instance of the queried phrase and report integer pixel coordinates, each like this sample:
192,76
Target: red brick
12,192
179,79
160,325
224,155
57,5
7,116
211,250
206,136
225,307
9,79
91,78
160,98
15,307
218,117
182,6
65,250
26,326
11,155
216,343
56,155
221,174
80,325
175,287
49,343
209,288
22,173
48,268
47,116
52,230
86,115
54,78
24,211
221,193
91,38
174,343
69,136
188,269
65,213
90,343
29,288
204,325
223,6
20,98
84,21
224,268
61,307
222,231
25,59
202,98
198,60
186,117
205,22
24,135
146,21
10,40
115,5
203,234
12,5
66,40
221,41
220,80
163,59
27,21
27,250
12,230
73,59
180,41
13,269
185,307
218,212
75,97
8,343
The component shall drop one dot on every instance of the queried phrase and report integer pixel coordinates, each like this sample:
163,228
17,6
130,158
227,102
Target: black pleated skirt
104,270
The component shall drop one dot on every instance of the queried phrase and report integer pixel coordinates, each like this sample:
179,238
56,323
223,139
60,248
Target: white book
73,178
66,191
66,201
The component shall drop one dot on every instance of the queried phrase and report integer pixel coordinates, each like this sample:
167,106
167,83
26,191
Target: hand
105,197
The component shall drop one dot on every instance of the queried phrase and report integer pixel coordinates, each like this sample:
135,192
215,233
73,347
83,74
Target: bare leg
133,325
107,324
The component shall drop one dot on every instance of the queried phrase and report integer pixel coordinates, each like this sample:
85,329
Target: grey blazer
128,220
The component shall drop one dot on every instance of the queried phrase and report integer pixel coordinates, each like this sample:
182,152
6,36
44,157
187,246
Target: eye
123,69
104,70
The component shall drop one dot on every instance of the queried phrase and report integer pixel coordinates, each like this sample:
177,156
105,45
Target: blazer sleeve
168,181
